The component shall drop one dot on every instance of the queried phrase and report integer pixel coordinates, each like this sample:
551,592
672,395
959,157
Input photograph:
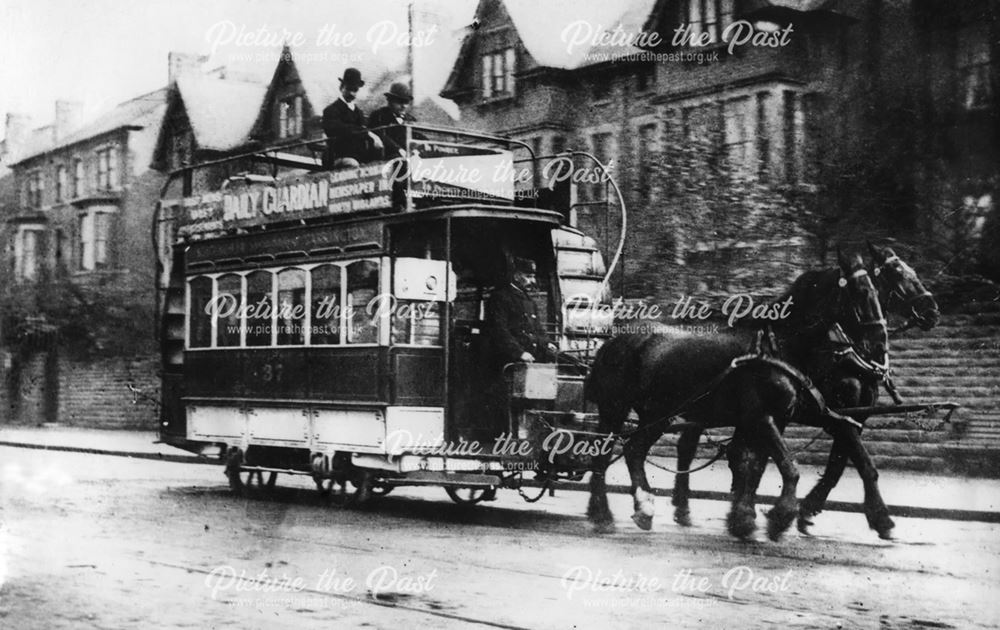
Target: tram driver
512,319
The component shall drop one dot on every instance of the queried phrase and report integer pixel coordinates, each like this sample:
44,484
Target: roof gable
222,112
557,34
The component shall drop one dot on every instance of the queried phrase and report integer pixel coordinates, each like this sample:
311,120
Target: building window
646,157
498,74
94,227
62,181
601,143
645,77
78,178
794,122
706,16
973,66
558,145
290,117
180,149
107,169
601,89
27,252
737,119
36,187
763,138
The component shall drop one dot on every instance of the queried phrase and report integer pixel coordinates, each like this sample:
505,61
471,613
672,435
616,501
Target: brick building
742,162
76,325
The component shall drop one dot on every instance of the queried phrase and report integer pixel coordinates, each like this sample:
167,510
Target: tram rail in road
904,511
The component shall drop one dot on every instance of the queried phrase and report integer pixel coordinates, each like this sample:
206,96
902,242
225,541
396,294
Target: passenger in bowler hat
348,140
396,112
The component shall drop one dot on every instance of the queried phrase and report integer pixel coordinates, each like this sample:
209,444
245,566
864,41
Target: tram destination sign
245,204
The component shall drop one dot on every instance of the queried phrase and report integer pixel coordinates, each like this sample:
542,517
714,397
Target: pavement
915,494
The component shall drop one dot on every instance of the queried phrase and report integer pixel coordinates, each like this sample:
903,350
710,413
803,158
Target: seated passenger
348,140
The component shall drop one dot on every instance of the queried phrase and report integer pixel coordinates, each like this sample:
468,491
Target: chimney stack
179,63
69,114
16,132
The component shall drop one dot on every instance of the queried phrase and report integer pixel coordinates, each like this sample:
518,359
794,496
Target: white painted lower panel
278,427
413,428
355,430
222,424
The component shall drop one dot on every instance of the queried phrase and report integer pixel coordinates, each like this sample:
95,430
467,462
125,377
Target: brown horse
660,377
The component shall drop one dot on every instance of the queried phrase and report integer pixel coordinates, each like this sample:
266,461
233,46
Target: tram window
199,313
291,307
362,309
580,263
325,305
228,301
416,322
259,308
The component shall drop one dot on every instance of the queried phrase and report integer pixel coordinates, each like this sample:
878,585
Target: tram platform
918,494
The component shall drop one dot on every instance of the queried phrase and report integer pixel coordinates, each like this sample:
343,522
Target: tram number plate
272,372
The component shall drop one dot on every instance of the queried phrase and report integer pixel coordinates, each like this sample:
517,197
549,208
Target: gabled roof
221,112
540,27
138,112
542,24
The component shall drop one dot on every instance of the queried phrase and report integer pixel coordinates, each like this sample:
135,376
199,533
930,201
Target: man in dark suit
348,140
394,113
512,320
517,335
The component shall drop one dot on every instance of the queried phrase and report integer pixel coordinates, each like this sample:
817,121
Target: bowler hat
352,78
399,92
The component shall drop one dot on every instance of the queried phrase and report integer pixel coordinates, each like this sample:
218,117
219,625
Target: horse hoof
643,520
682,517
883,524
778,521
742,524
604,527
804,524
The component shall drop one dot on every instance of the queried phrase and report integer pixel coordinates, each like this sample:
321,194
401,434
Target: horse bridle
894,291
851,352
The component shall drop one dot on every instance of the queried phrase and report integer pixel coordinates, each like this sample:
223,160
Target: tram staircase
959,361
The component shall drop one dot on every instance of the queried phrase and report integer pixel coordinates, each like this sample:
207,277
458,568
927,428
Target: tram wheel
467,496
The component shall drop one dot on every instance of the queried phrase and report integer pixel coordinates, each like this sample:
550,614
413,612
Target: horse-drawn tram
352,324
419,321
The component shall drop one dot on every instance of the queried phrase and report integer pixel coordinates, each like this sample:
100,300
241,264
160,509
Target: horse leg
636,450
687,446
816,499
742,518
598,510
780,517
875,508
849,392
